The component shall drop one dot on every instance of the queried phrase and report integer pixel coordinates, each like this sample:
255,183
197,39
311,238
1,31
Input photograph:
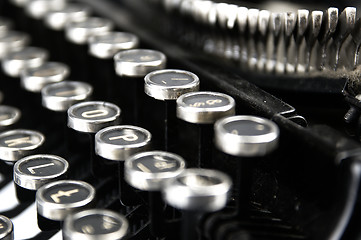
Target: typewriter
180,119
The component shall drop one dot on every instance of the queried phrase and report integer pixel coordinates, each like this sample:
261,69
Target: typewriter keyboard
112,131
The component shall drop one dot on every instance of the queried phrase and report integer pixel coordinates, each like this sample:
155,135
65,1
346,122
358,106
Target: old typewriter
180,119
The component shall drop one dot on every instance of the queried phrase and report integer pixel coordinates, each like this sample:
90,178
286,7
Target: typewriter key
118,143
32,172
197,191
35,79
8,116
248,138
7,228
12,41
132,65
30,57
16,144
56,200
95,224
200,110
61,96
150,171
102,48
90,117
5,26
167,85
79,32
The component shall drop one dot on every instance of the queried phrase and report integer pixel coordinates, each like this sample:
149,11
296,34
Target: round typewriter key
102,48
35,79
107,44
248,138
56,200
204,107
8,116
120,142
32,172
116,144
7,228
138,62
132,66
199,110
12,41
95,224
61,96
92,116
16,144
169,84
196,191
165,86
78,33
29,57
150,171
5,26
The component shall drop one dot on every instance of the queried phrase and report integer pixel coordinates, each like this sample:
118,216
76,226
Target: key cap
61,96
150,171
132,66
9,116
7,228
102,49
91,116
12,41
95,224
246,137
18,143
34,79
117,144
5,26
165,86
195,192
32,172
56,200
199,111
